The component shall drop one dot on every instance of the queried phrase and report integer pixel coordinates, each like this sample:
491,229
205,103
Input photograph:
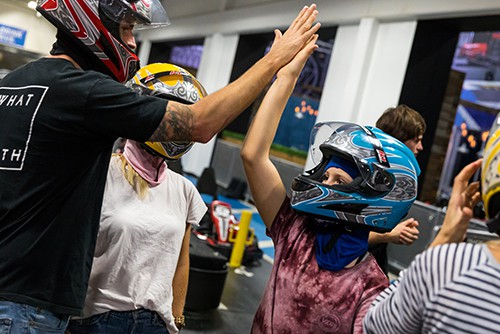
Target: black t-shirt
58,125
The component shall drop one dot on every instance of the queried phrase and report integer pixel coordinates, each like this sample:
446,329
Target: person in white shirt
139,277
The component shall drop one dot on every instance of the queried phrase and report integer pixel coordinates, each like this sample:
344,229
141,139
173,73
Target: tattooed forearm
177,124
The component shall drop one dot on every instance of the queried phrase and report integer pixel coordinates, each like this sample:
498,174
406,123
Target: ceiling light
32,4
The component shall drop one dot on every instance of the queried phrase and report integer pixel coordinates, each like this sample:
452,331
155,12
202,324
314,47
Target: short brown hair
402,122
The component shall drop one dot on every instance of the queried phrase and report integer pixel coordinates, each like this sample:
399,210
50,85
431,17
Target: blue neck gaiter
335,250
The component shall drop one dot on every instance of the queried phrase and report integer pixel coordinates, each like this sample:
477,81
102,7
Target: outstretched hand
464,197
297,36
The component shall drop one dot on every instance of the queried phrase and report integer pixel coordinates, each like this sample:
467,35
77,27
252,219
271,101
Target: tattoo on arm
177,124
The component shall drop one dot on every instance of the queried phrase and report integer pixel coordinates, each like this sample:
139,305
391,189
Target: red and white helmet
95,25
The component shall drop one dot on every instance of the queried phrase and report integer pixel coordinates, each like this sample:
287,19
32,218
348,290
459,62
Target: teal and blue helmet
384,186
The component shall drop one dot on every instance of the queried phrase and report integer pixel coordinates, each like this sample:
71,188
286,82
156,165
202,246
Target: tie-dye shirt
302,298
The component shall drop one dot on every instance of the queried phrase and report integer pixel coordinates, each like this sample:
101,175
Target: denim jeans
26,319
120,322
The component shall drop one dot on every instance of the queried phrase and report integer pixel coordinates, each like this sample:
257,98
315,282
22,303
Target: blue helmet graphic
382,193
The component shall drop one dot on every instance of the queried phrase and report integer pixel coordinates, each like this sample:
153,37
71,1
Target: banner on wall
12,36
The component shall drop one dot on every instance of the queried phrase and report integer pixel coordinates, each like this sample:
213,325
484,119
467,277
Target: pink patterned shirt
302,298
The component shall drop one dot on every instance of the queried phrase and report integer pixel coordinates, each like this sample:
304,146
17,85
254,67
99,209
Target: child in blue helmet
323,280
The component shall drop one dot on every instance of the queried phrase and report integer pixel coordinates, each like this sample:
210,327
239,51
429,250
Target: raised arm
202,120
263,178
464,197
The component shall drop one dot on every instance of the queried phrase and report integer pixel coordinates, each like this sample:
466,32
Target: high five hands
296,37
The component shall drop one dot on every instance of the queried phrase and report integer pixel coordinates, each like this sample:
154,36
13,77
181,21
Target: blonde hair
140,186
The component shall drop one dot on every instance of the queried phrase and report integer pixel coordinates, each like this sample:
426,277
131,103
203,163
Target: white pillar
347,71
214,73
144,52
385,76
366,71
360,62
332,103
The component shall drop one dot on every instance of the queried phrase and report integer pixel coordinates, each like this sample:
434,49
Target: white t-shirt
139,243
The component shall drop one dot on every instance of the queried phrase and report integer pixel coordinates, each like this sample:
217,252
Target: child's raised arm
263,178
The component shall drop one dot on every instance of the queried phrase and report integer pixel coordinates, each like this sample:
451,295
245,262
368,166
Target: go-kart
219,228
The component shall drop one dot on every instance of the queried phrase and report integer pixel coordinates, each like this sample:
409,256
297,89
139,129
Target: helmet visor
357,144
143,14
324,132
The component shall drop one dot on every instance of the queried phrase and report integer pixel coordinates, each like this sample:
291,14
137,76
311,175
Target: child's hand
295,66
405,233
287,45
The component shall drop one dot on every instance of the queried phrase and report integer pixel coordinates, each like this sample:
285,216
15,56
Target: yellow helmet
490,178
170,82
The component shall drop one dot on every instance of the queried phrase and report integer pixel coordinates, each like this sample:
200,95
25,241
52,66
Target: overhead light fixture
32,5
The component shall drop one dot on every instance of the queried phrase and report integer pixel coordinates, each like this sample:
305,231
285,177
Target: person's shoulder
451,249
287,214
114,169
369,265
23,69
291,223
65,66
115,158
180,179
461,256
62,71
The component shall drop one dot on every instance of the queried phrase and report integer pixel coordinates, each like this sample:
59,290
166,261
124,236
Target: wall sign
12,36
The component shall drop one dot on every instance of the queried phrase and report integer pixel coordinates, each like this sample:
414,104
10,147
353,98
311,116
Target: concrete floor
243,289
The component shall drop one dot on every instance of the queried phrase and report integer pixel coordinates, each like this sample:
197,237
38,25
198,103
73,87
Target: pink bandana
149,167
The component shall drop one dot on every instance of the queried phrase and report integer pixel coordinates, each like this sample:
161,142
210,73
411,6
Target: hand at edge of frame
464,196
296,37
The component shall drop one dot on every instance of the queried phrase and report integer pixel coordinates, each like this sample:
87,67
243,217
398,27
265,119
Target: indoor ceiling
185,8
179,9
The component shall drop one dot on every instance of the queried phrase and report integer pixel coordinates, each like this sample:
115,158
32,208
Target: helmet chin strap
333,239
336,232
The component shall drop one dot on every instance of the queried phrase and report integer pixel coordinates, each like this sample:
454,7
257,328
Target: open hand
297,36
464,197
295,66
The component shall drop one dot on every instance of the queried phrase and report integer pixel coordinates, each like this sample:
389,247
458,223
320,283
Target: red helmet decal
149,78
381,155
49,4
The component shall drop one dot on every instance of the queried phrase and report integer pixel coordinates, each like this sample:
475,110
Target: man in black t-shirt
50,192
